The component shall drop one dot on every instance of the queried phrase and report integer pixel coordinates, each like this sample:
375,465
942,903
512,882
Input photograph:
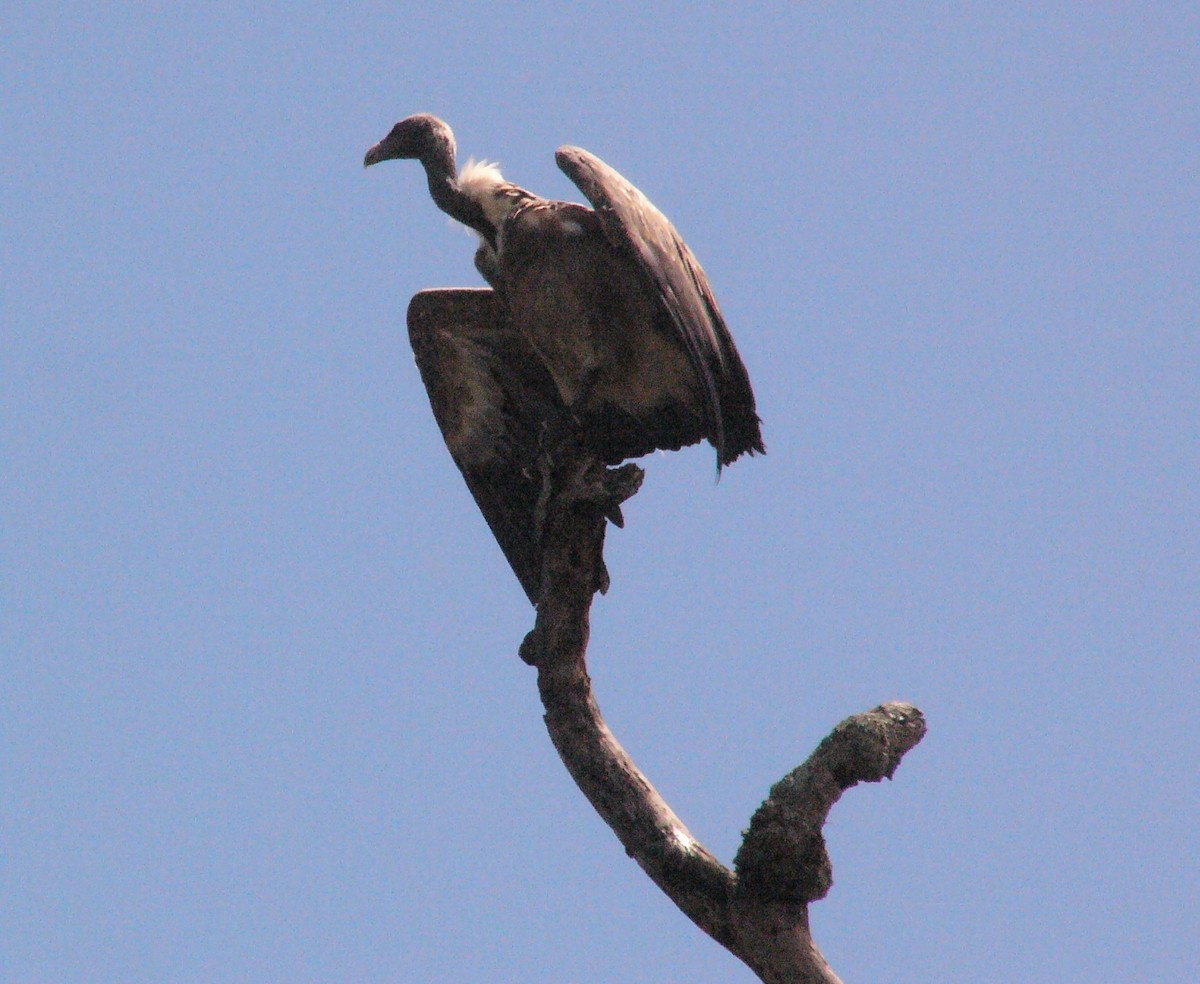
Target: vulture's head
421,137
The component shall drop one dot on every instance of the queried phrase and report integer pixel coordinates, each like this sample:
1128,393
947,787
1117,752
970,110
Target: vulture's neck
449,197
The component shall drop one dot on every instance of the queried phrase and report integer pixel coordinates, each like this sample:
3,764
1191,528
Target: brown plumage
602,329
493,402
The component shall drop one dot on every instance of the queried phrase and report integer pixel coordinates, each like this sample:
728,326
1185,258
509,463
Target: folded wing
492,399
633,224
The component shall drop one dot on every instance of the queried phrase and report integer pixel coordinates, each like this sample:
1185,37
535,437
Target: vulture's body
602,325
631,391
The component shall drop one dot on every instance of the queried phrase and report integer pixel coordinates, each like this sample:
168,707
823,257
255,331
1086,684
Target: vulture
600,329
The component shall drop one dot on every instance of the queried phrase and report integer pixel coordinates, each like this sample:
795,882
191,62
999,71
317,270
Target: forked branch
759,911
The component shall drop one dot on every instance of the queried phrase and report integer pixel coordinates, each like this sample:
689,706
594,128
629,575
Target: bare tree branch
760,914
782,857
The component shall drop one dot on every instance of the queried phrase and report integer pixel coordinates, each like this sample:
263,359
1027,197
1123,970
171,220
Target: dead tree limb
758,911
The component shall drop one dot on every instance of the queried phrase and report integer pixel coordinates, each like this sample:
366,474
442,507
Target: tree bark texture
758,910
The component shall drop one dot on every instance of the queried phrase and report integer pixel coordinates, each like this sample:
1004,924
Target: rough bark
758,911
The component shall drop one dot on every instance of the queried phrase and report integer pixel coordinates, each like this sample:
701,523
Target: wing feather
632,223
491,398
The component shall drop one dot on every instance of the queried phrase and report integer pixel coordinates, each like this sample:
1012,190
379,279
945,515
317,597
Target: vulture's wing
632,223
491,398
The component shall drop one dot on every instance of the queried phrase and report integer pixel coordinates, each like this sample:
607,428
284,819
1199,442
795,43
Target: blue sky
261,713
